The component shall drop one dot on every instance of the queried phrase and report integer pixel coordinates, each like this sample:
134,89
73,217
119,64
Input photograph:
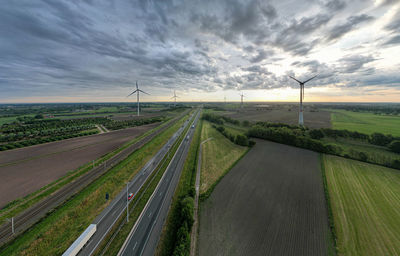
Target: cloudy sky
80,51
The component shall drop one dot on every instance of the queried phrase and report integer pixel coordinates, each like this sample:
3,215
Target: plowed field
271,203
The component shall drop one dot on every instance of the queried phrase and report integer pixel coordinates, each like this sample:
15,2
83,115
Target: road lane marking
134,247
149,214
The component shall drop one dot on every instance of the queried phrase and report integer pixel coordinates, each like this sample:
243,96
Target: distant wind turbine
301,120
241,99
137,91
174,97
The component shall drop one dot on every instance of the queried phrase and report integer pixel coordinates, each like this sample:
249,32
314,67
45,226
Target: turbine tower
241,99
174,97
137,91
301,120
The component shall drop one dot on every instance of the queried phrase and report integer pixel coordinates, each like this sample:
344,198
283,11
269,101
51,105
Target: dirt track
25,170
271,203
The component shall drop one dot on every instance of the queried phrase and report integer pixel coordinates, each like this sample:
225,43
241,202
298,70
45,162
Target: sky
95,51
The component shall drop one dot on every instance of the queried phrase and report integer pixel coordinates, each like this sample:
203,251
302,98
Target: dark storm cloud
351,23
335,5
354,63
56,47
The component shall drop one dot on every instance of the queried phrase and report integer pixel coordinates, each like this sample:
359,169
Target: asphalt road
145,235
106,220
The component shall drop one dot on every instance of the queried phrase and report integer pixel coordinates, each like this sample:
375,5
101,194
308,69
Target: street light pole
127,196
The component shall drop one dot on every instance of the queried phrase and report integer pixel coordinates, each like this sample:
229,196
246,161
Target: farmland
281,113
366,122
366,206
53,234
271,203
218,155
25,170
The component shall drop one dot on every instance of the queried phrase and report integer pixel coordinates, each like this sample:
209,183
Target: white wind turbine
138,91
241,99
174,97
301,120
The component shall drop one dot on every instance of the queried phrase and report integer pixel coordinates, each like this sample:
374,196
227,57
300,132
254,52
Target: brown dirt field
133,116
320,119
271,203
26,170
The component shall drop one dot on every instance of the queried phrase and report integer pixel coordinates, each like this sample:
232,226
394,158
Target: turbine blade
137,86
295,79
143,92
132,93
309,79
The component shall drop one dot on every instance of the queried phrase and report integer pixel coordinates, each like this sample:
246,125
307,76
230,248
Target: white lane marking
160,193
149,214
134,247
114,212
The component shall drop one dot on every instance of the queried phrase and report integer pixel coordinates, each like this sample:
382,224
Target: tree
395,146
380,139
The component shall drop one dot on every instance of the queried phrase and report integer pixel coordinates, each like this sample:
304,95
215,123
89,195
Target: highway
109,216
30,216
145,234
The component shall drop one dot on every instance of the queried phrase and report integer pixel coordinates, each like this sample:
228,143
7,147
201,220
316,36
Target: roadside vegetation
54,233
365,204
175,238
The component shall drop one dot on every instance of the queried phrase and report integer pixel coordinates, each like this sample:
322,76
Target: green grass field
365,202
376,154
365,122
217,157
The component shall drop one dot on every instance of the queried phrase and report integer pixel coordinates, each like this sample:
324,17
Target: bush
316,134
241,140
395,146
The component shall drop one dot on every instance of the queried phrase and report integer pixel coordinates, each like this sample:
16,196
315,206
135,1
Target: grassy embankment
365,122
218,156
186,188
53,234
17,206
365,202
114,241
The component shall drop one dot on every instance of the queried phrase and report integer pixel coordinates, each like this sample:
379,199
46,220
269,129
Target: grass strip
55,232
332,236
203,196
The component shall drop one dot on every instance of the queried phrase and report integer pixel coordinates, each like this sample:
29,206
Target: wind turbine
174,97
137,91
301,120
241,99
